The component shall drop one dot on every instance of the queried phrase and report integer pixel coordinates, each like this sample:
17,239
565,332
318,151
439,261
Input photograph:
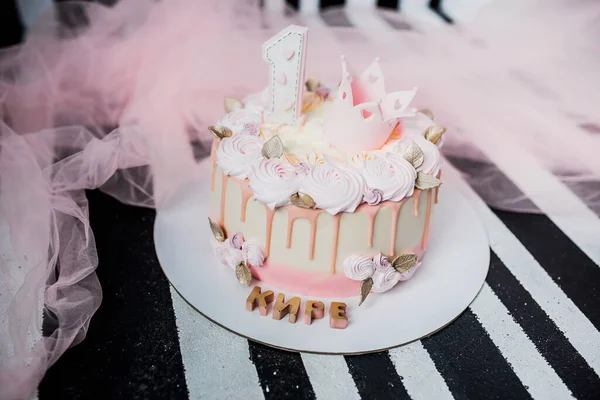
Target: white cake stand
450,277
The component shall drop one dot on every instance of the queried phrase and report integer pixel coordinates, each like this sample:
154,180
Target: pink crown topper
363,115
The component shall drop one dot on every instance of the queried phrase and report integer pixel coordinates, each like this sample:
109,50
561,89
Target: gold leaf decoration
220,132
231,104
302,200
365,289
312,84
404,262
426,181
243,274
414,155
273,148
427,112
434,133
217,231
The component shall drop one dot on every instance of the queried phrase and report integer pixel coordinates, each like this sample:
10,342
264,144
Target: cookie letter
314,310
337,315
256,298
281,308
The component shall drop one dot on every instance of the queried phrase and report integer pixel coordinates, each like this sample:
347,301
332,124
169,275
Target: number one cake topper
286,52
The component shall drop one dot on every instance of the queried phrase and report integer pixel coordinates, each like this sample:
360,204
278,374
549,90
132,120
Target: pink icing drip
417,198
246,194
427,218
290,228
312,216
270,214
395,207
213,161
224,180
335,242
371,212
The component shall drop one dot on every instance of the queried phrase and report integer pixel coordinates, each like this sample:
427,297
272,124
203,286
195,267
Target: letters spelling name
314,309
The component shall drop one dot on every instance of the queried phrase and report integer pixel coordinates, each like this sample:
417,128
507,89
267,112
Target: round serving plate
453,271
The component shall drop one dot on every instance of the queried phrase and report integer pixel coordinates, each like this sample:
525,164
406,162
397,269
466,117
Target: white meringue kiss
390,174
229,255
334,186
381,262
237,155
253,253
359,268
237,240
384,280
431,154
237,119
373,196
273,182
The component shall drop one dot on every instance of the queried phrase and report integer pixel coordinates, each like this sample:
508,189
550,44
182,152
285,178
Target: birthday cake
323,191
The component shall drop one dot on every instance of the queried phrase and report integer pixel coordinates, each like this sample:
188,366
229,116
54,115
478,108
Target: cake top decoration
310,145
363,115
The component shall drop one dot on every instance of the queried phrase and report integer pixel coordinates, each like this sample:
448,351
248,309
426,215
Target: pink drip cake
331,196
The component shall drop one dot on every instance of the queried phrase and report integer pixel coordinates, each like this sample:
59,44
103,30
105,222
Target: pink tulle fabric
122,102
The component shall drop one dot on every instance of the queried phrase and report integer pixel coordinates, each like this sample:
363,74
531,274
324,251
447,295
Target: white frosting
391,174
373,196
381,262
341,185
253,253
229,255
384,280
215,245
237,155
237,119
431,154
379,268
334,186
237,240
273,182
359,268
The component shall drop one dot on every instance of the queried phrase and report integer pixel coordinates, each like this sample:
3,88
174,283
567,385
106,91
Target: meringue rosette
335,187
391,175
273,182
238,154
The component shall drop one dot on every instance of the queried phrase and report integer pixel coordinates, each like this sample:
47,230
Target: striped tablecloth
532,332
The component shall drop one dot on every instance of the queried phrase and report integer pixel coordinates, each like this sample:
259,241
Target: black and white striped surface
532,332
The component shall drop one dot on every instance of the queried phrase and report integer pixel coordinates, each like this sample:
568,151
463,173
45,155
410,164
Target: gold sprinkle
291,158
302,200
315,158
